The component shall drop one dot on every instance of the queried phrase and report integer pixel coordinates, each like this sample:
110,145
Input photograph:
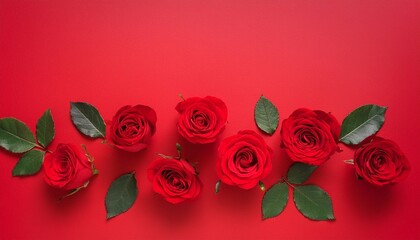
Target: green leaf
266,115
362,123
121,195
275,200
313,202
15,136
87,119
45,129
29,164
299,172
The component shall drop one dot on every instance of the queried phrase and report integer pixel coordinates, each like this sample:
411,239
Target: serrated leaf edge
266,192
34,144
102,135
328,217
31,174
271,130
53,128
362,124
132,175
312,171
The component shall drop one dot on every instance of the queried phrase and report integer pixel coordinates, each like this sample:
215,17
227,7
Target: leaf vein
361,125
90,121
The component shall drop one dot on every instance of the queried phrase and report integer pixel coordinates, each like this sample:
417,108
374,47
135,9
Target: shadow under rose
175,217
204,155
122,161
234,200
370,201
172,216
60,205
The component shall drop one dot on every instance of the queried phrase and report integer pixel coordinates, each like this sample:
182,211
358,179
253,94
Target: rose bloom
67,168
174,179
310,136
133,127
381,162
201,120
244,159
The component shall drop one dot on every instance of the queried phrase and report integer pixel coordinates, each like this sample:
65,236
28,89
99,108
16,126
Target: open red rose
175,179
133,127
381,162
310,136
244,159
201,120
67,168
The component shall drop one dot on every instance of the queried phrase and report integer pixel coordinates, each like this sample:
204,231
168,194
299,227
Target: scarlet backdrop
329,55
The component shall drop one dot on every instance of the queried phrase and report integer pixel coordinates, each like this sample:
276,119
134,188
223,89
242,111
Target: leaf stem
217,186
75,190
262,186
179,149
350,161
164,156
287,182
91,159
39,147
181,96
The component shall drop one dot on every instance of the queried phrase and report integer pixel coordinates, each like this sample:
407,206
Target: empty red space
329,55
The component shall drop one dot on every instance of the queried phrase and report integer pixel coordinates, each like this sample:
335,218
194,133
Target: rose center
245,160
131,127
175,181
200,120
306,137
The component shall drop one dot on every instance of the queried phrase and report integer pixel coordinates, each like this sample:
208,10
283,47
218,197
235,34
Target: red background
328,55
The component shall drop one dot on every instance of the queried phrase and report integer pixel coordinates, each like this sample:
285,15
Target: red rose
244,159
310,136
67,168
176,180
381,162
202,119
133,127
